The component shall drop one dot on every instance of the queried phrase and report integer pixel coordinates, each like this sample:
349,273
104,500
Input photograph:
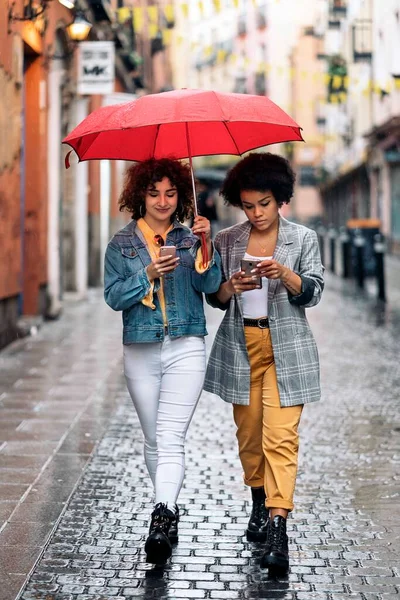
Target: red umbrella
181,124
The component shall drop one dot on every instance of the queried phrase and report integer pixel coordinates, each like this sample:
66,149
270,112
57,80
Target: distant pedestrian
161,298
264,358
207,206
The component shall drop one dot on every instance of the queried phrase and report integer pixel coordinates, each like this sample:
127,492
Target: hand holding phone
166,262
247,265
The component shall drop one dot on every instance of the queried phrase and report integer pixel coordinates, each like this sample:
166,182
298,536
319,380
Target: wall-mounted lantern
32,11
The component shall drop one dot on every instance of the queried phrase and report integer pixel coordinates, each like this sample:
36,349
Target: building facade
55,223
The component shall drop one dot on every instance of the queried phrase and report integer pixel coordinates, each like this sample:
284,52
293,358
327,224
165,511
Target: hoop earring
141,211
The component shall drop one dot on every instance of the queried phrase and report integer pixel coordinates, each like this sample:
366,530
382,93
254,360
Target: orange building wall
10,144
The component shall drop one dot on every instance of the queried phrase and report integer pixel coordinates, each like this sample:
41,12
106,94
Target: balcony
259,84
338,80
338,8
242,27
261,19
337,11
362,40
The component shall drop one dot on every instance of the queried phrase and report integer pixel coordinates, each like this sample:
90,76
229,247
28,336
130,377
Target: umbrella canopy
182,124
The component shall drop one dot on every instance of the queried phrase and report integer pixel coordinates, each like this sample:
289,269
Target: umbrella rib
155,138
232,138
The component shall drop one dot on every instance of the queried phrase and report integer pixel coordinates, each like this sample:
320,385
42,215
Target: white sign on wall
96,68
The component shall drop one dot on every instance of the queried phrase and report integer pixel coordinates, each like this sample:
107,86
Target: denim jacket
126,284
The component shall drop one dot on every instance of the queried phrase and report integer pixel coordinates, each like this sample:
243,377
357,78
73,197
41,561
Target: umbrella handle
204,249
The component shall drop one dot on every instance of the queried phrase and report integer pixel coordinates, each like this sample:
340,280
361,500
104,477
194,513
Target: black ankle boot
158,547
276,555
173,530
258,523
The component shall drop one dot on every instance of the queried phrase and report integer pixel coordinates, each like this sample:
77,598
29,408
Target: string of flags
158,21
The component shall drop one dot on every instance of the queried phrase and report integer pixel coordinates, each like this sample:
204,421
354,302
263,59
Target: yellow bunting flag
152,11
201,7
124,14
153,30
185,9
169,13
221,55
166,36
235,3
217,5
137,19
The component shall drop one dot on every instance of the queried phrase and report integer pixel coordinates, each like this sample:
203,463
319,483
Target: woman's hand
160,266
202,225
240,283
271,269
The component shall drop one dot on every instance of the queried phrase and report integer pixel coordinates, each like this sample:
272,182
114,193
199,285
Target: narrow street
75,498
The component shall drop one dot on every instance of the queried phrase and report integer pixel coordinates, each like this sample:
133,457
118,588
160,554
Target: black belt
261,323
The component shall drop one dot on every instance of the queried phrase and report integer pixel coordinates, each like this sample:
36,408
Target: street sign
96,68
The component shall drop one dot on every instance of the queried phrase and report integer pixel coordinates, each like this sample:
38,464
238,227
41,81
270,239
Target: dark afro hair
260,171
145,174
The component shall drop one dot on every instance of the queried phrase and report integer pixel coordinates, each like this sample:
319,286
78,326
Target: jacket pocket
130,260
184,250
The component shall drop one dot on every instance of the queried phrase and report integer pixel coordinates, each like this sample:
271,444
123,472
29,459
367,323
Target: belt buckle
264,320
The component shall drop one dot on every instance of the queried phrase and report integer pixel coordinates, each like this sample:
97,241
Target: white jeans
165,381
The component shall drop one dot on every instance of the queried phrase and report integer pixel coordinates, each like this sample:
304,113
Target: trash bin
367,229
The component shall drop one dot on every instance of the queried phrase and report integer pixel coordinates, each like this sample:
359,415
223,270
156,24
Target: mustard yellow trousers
267,434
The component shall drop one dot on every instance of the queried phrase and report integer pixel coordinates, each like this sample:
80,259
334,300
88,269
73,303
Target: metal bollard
345,244
359,243
380,249
332,247
321,231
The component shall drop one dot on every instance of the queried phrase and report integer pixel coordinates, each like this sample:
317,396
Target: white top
255,302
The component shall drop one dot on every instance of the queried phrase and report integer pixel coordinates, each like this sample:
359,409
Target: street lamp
68,3
79,29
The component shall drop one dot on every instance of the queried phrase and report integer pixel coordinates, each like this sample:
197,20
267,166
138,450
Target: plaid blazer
295,350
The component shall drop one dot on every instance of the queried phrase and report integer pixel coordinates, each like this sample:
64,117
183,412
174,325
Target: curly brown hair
259,171
141,175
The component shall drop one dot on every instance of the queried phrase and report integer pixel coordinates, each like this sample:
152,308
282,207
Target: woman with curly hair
264,358
154,274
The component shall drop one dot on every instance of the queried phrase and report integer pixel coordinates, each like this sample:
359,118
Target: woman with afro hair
155,275
264,358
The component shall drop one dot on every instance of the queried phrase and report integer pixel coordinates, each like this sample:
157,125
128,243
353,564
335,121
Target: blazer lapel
281,250
238,250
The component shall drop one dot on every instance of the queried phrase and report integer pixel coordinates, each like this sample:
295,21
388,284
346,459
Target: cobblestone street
75,497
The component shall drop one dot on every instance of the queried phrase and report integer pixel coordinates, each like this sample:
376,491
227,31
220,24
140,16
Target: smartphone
247,265
168,251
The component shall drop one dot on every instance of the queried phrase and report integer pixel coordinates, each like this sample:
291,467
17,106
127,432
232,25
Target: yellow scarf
154,251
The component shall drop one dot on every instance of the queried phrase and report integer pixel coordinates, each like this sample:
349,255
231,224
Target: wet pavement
75,498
